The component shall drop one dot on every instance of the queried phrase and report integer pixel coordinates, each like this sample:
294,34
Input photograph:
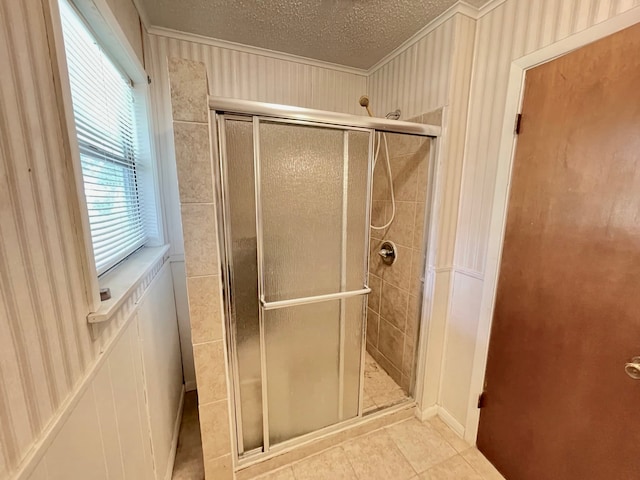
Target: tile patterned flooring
379,388
409,450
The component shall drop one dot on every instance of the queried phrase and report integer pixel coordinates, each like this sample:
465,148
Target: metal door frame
221,109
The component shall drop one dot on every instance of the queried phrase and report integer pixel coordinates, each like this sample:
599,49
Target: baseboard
190,386
453,424
174,439
427,413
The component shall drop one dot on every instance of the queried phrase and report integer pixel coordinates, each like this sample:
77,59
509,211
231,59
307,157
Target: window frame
104,26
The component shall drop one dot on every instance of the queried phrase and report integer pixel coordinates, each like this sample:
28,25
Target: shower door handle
318,298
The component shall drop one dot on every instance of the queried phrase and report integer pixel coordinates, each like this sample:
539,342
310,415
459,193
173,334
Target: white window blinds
103,107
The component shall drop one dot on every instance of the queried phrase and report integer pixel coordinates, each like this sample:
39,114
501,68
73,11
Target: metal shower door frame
220,109
265,306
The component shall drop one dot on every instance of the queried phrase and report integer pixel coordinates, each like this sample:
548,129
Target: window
104,107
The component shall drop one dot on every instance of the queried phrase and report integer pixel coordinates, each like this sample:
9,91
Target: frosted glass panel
310,194
303,347
242,228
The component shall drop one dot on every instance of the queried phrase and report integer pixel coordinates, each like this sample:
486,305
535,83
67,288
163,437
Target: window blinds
103,107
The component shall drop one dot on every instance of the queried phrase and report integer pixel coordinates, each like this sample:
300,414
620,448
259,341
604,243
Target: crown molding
458,8
490,6
264,52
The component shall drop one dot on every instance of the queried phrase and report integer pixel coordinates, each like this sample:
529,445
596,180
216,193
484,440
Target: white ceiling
357,33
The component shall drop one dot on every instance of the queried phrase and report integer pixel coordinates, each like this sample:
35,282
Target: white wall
130,396
246,74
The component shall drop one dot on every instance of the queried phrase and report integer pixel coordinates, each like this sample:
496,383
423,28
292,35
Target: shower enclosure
294,194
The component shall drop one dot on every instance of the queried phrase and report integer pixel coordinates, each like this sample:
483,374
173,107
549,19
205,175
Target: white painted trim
501,193
174,438
65,108
427,413
451,422
39,449
493,4
461,8
190,386
263,52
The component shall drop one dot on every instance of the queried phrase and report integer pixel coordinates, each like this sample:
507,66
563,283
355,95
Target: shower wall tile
373,320
210,371
204,308
405,179
401,230
220,468
398,311
431,118
394,305
190,109
214,427
189,91
391,342
375,283
200,241
193,161
399,274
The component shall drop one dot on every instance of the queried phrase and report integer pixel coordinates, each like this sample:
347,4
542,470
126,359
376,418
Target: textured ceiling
356,33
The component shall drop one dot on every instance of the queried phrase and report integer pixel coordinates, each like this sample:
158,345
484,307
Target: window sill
124,279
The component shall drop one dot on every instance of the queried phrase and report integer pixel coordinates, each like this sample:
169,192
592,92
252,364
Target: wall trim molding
451,422
506,152
427,413
38,450
175,436
458,8
263,52
493,4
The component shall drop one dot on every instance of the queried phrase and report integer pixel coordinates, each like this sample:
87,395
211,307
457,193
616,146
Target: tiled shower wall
190,110
393,313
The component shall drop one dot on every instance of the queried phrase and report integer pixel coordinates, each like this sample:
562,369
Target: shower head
364,102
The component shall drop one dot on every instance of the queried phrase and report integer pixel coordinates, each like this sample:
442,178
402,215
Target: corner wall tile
373,320
394,305
391,343
210,371
200,240
214,426
220,468
193,162
189,90
204,308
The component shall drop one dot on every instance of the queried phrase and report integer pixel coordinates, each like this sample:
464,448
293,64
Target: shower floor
379,388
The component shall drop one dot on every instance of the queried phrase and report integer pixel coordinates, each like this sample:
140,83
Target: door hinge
482,399
516,128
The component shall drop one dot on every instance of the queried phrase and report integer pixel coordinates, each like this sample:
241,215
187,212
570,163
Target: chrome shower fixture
395,115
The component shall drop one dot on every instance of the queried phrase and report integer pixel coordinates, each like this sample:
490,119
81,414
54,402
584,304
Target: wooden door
558,403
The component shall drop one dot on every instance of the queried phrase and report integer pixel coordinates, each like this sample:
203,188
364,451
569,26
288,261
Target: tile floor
189,464
379,388
409,450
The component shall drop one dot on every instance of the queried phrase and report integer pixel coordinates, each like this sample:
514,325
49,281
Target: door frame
506,154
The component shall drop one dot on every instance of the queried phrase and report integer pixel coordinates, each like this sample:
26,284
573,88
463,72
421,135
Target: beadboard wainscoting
122,420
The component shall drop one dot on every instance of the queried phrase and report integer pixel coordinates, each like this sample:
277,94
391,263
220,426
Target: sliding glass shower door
296,218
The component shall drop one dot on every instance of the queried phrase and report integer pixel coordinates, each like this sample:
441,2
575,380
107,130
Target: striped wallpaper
434,72
513,29
248,76
46,345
